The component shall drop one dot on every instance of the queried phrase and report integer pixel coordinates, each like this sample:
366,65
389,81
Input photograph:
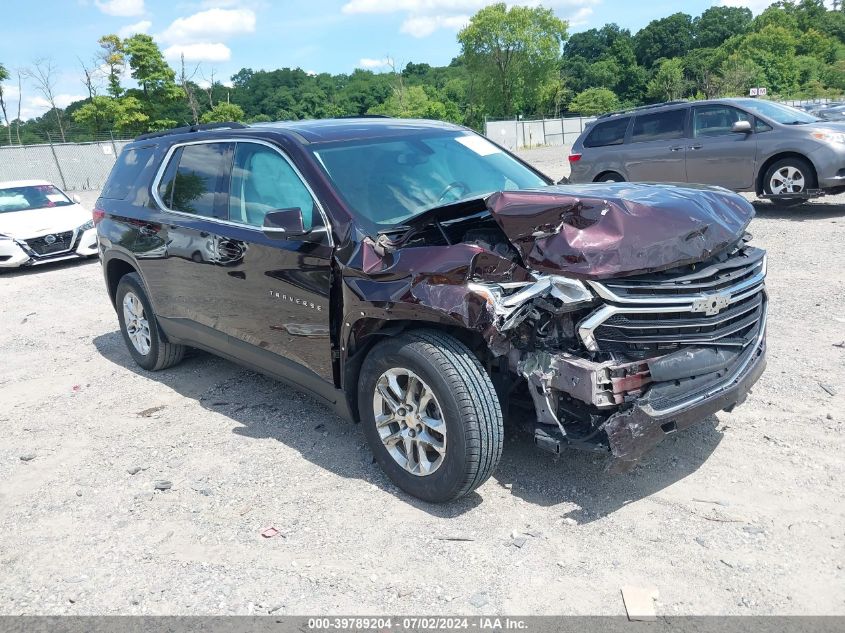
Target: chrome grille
722,304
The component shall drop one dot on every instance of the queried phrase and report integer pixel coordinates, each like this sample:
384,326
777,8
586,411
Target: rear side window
196,180
608,133
125,173
660,126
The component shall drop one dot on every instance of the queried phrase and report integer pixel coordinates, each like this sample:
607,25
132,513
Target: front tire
139,327
788,176
430,414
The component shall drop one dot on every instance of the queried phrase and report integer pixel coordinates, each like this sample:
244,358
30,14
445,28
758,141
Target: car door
177,245
717,156
276,291
656,148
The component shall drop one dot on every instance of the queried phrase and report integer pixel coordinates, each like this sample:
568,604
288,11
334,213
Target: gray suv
741,144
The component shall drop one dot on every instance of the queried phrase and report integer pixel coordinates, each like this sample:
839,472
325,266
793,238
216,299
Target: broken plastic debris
269,532
639,602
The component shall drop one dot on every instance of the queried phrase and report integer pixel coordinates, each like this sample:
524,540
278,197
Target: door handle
676,149
694,147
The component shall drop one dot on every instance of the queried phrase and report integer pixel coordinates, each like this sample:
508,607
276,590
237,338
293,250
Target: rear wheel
140,328
789,176
610,177
430,414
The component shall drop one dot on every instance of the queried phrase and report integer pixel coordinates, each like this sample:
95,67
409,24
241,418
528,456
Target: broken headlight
507,297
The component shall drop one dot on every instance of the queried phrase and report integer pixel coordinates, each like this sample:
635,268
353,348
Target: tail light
574,158
97,215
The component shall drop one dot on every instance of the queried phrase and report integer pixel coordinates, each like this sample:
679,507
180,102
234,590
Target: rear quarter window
607,133
124,175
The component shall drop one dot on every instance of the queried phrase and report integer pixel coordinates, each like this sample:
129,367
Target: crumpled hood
616,229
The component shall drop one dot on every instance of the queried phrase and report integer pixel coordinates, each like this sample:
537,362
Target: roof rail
365,116
639,108
200,127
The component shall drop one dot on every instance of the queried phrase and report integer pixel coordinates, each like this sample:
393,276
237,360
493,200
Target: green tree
773,49
718,24
223,113
668,37
513,52
668,82
148,66
113,57
737,74
593,101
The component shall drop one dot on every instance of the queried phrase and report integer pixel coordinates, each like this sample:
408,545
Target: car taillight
97,215
574,158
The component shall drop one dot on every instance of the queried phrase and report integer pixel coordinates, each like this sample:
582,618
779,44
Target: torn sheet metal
616,229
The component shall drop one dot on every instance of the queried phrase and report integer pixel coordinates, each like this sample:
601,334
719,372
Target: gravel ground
742,514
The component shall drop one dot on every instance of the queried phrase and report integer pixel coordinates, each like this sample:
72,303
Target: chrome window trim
172,150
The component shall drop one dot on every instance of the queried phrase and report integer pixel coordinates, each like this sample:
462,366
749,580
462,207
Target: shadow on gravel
800,212
579,477
6,273
264,408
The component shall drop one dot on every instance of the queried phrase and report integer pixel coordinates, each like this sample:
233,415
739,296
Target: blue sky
222,36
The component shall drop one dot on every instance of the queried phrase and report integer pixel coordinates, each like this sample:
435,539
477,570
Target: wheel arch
115,268
607,172
367,332
761,173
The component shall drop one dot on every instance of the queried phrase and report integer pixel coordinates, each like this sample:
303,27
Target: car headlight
88,225
830,137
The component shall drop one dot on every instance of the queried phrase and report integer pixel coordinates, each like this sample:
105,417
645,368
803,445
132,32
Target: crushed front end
650,355
607,315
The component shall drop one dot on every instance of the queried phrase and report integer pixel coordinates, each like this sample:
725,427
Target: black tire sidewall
803,166
444,483
131,282
614,177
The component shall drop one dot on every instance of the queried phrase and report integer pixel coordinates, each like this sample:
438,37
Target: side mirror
284,223
75,198
741,127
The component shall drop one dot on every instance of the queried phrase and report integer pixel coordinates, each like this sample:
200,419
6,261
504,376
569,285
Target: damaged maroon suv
421,280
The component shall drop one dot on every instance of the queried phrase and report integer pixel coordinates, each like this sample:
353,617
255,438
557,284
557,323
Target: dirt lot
744,514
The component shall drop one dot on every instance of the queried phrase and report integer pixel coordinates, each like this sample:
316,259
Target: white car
40,223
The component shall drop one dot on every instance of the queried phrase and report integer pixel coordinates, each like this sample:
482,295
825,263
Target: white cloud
121,8
425,25
131,29
199,52
424,17
369,63
211,25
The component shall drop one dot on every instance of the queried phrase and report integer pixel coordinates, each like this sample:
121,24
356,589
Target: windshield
386,181
31,197
777,112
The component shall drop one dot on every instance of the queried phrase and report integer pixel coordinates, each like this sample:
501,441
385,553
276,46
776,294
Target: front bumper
829,161
15,253
634,432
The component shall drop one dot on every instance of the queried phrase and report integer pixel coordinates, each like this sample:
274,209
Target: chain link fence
519,134
71,166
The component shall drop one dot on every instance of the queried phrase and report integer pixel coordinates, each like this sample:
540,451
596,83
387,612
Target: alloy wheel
409,421
136,323
787,179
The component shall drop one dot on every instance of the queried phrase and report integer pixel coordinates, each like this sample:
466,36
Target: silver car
740,144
